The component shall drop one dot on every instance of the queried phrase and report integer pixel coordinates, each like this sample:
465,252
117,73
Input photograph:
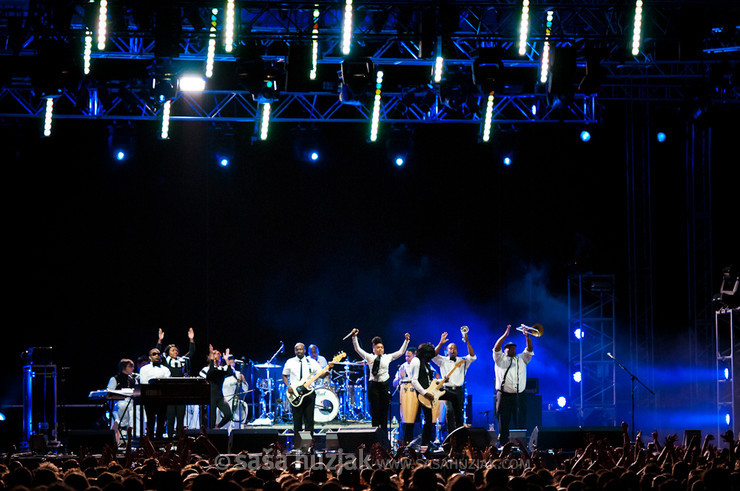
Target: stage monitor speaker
218,437
515,435
570,438
252,439
302,441
351,438
478,437
81,442
332,440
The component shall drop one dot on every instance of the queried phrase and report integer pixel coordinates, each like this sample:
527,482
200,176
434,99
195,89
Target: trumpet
464,330
535,330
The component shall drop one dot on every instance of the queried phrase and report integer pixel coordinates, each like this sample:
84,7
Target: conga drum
409,403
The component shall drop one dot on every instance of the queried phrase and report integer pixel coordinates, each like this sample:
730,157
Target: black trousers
303,414
379,399
155,413
508,408
455,402
427,430
219,403
175,413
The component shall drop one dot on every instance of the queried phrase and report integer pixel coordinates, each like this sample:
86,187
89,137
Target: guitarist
455,386
422,378
378,395
296,370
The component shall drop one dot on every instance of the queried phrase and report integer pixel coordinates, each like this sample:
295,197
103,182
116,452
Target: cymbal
349,363
267,365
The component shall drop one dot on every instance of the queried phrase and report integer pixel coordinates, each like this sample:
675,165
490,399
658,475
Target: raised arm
404,346
500,342
356,344
191,344
471,353
441,343
160,337
529,341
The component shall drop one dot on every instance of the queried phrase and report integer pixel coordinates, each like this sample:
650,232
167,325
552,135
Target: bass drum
327,405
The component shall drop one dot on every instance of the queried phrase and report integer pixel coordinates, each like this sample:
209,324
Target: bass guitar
435,388
303,387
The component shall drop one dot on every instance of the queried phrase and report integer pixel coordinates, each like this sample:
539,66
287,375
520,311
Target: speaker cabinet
351,438
477,437
219,439
252,439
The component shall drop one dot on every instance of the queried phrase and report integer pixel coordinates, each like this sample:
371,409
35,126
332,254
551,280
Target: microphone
610,355
348,335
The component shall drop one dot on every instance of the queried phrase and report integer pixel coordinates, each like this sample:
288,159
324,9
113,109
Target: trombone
535,330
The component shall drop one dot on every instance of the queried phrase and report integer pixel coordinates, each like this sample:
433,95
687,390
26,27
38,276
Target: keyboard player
123,409
154,411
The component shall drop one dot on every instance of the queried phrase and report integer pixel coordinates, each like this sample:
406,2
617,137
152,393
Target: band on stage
429,386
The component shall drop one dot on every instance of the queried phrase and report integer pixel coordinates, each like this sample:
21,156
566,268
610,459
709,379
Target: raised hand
191,334
443,339
161,335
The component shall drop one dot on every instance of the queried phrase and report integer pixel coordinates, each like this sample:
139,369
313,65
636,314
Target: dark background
102,254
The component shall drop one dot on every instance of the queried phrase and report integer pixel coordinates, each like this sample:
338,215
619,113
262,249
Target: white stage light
192,83
49,113
87,54
102,24
637,30
347,28
211,56
524,28
314,46
488,119
438,67
265,122
376,106
545,61
165,134
229,27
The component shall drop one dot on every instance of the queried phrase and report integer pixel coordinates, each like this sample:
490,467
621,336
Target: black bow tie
453,358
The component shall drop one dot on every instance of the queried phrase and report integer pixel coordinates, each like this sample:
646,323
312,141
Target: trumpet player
455,385
511,380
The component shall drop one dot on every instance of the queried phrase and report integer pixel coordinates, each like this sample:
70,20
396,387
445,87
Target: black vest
425,374
124,381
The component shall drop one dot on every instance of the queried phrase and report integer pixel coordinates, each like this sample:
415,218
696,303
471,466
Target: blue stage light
223,162
561,401
314,156
578,333
507,160
400,161
661,137
577,377
585,136
120,155
727,418
2,417
727,373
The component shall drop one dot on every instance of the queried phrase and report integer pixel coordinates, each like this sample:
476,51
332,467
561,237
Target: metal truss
727,346
591,312
317,107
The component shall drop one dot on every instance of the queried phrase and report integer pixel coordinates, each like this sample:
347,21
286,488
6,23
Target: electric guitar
303,387
435,388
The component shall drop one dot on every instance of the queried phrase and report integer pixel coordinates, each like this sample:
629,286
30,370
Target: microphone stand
634,379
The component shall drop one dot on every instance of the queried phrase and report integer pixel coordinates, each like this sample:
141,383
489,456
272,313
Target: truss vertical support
699,255
728,368
591,338
640,246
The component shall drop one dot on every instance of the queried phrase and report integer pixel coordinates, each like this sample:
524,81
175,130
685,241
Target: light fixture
102,24
347,28
561,401
165,133
487,120
48,115
545,60
577,377
87,54
585,136
578,333
314,46
191,83
211,55
524,28
661,137
265,121
376,106
637,29
229,27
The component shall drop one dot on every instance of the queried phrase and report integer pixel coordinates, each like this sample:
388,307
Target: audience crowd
194,464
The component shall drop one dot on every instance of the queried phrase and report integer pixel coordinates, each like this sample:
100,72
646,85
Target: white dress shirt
292,369
516,377
385,359
149,371
405,372
457,379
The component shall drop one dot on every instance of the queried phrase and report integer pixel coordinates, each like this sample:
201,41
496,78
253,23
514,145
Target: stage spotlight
223,162
102,24
637,29
165,133
399,161
507,161
577,377
661,137
314,156
347,28
524,28
120,155
357,75
585,136
399,146
578,333
2,417
727,419
229,27
192,83
265,121
48,116
120,142
727,373
561,401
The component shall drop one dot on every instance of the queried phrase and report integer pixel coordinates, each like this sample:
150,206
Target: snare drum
327,405
409,402
264,384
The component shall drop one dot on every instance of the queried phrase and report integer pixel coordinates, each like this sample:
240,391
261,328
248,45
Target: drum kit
340,396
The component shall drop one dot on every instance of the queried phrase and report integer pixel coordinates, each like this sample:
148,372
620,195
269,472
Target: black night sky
103,254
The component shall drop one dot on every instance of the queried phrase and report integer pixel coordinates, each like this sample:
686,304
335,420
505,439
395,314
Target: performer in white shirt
407,396
158,411
297,369
511,380
455,385
123,409
378,395
313,352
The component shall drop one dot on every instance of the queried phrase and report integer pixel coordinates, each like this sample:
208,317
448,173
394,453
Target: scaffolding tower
591,341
